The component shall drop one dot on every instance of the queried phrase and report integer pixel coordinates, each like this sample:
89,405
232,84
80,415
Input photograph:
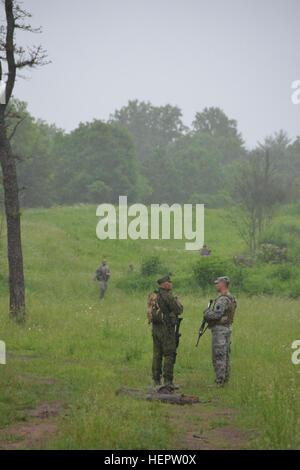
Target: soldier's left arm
95,275
174,305
219,310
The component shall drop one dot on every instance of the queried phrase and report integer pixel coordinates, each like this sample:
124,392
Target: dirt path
202,426
207,429
40,427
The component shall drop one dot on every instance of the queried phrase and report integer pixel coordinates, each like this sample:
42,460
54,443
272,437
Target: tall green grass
92,348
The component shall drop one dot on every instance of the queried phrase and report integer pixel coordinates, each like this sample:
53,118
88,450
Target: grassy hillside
83,350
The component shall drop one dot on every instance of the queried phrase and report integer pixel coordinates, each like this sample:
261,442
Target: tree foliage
98,161
153,127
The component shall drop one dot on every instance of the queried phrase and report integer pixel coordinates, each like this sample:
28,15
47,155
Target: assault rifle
203,328
177,335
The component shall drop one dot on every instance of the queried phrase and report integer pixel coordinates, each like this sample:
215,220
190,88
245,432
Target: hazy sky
240,55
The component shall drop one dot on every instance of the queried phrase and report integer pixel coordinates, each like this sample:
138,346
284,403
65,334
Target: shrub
284,272
136,282
206,270
294,253
293,229
269,253
243,260
274,236
258,284
294,291
238,276
151,265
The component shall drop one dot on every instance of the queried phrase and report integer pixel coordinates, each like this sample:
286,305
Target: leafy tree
293,170
257,190
213,121
183,169
153,127
96,162
31,144
286,161
221,133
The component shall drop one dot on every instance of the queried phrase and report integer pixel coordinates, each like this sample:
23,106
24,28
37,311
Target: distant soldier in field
102,274
131,268
220,319
163,310
204,252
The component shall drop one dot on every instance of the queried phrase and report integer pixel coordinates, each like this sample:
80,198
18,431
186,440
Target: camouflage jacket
102,273
222,312
169,304
204,252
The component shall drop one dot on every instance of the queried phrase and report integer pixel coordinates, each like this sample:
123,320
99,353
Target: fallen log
173,398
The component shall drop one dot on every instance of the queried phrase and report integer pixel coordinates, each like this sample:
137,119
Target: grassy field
83,350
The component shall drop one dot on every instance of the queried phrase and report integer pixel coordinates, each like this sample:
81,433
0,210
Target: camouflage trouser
103,287
164,353
221,352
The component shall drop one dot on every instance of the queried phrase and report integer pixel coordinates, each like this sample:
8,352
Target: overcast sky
239,55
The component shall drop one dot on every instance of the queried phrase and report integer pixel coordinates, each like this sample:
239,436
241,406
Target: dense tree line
148,154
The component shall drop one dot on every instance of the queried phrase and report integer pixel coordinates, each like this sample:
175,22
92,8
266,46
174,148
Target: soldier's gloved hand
206,314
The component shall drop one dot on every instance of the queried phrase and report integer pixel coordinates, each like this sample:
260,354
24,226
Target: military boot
219,383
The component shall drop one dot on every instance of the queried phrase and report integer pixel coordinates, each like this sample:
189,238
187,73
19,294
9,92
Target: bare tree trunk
12,211
16,59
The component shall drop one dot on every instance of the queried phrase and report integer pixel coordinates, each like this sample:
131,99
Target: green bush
284,272
258,284
294,291
151,265
238,276
274,236
292,229
244,260
206,270
269,253
136,282
293,209
184,283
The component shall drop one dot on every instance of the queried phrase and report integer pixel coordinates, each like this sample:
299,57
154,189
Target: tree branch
36,57
9,48
15,127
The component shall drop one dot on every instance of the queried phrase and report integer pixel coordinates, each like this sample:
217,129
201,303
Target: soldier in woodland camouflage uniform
164,318
219,320
102,274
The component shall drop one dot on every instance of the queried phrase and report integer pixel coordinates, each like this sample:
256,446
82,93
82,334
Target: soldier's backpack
231,310
102,274
154,313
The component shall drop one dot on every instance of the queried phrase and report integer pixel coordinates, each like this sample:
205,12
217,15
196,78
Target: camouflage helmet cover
164,279
224,279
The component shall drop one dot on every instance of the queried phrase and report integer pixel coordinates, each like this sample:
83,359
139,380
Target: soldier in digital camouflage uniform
102,274
163,333
204,252
219,320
